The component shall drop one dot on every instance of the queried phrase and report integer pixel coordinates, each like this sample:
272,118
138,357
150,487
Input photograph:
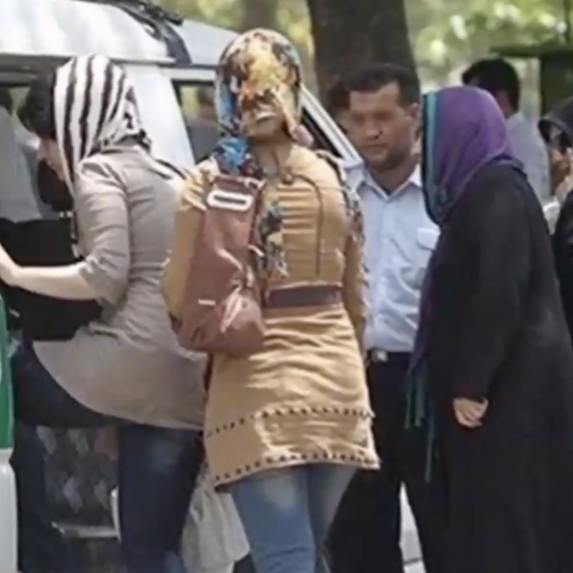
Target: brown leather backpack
222,310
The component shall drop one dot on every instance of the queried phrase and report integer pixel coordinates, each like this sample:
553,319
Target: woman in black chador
493,350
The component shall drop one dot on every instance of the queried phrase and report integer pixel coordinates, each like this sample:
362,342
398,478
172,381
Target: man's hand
470,413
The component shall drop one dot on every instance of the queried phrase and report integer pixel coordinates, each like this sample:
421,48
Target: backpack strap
334,162
351,198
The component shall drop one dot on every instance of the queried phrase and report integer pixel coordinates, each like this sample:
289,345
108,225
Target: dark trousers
366,534
157,472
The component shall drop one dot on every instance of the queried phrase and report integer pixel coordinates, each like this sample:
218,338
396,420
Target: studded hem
290,411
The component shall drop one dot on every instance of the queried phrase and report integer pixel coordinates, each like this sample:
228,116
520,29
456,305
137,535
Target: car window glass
199,115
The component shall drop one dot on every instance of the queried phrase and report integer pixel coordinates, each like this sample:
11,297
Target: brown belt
303,296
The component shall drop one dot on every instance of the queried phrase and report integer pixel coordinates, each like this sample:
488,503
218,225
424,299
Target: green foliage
450,33
291,18
225,13
447,34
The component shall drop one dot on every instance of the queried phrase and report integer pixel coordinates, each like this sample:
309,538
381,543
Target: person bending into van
287,425
492,352
126,368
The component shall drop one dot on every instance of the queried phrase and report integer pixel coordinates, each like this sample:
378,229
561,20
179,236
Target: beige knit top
303,398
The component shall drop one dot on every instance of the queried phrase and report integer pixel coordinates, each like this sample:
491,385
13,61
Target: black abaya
563,251
496,331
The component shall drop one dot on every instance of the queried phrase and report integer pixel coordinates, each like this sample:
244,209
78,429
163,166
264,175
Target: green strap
418,411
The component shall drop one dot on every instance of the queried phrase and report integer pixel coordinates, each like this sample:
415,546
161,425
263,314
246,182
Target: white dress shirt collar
358,175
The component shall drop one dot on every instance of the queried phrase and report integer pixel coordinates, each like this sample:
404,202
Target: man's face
382,127
500,98
49,152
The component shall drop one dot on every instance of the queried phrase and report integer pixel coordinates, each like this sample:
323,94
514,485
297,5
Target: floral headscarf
258,73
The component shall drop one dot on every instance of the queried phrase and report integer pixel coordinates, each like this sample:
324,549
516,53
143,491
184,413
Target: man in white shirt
500,79
379,107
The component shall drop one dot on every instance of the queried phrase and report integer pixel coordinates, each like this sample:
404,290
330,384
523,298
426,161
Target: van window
319,138
198,109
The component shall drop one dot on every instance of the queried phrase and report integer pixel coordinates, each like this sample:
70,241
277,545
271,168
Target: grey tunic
127,364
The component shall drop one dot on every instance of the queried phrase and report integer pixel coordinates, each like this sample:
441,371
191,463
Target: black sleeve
497,258
43,243
563,251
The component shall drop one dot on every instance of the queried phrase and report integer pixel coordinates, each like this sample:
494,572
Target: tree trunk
259,14
348,33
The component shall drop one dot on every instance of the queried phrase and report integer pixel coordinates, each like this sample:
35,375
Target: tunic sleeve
103,220
187,219
480,332
354,281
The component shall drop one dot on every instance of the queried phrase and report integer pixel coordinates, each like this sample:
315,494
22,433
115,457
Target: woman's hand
8,268
561,172
565,185
470,413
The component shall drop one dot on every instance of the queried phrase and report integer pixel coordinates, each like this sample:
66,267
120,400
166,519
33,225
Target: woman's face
559,156
263,127
50,153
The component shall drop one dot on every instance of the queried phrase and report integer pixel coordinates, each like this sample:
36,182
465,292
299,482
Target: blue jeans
287,514
157,472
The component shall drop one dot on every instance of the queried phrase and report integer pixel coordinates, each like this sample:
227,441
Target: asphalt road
410,545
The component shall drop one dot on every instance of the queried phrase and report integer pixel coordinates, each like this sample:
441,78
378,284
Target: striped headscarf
95,108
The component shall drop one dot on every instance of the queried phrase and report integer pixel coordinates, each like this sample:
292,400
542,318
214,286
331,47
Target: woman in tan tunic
126,368
286,427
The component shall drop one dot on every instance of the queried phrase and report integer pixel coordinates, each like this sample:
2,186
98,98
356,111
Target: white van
170,61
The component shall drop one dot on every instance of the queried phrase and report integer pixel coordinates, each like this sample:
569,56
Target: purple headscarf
463,130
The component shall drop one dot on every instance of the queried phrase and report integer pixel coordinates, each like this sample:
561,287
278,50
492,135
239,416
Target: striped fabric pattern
95,108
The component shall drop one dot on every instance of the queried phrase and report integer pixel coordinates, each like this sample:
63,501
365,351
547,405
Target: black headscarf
561,116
